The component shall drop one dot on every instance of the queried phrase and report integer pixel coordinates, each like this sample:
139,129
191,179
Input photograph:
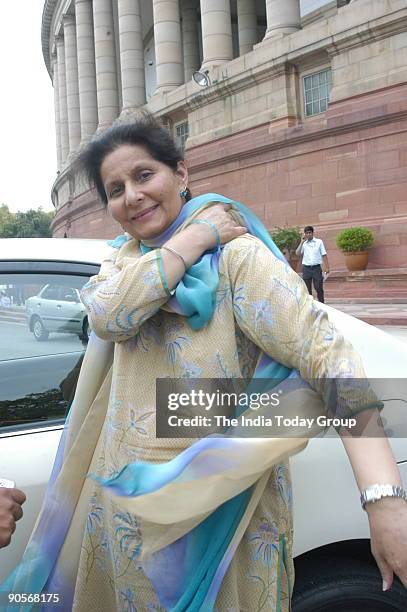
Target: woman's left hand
388,533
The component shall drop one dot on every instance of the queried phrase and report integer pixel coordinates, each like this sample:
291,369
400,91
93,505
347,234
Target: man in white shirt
313,255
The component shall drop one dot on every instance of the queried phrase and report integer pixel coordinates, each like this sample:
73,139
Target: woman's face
142,193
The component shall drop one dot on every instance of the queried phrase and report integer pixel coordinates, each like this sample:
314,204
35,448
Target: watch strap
378,491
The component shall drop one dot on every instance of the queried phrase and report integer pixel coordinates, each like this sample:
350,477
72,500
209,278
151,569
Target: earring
184,192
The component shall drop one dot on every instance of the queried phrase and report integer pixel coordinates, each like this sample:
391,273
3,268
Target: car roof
53,249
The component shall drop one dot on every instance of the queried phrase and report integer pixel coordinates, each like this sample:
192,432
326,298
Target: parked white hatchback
56,308
334,568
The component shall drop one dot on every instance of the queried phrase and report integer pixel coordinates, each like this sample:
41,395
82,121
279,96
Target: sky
28,151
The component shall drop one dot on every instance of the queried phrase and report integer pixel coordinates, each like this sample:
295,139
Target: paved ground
375,314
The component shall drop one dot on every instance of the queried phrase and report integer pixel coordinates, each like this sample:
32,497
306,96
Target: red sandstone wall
85,218
347,167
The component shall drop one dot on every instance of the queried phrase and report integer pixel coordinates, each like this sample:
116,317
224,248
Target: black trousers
313,274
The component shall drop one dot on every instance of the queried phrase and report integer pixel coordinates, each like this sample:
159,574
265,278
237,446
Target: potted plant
355,243
287,239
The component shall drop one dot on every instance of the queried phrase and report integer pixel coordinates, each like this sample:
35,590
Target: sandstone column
131,54
55,82
168,48
63,108
283,17
216,32
190,42
72,91
247,25
86,68
105,60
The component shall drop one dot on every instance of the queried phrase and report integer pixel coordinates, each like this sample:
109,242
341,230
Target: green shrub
287,238
354,239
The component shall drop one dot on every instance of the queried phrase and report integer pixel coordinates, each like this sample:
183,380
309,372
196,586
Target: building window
181,134
317,88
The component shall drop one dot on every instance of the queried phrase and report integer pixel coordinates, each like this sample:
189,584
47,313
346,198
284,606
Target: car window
68,294
50,292
41,347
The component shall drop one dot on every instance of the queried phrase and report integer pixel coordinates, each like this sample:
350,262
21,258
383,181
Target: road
17,341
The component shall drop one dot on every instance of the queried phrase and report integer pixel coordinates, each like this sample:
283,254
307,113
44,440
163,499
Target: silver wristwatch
378,491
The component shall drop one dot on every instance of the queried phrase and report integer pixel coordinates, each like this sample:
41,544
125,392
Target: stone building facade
303,117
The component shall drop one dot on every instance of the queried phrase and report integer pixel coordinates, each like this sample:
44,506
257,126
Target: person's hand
388,534
226,226
11,501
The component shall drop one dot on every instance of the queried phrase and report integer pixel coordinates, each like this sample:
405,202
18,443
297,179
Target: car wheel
39,331
345,585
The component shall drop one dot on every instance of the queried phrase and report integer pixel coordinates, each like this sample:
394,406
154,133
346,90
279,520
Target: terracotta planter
294,262
357,261
292,259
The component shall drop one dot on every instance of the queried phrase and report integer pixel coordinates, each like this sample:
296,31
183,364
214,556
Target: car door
70,310
46,305
37,384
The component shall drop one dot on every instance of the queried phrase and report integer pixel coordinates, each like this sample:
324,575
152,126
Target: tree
29,224
5,217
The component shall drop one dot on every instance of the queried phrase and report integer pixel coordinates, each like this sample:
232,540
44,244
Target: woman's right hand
227,227
197,238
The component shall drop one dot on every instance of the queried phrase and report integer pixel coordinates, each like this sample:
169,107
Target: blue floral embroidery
95,514
191,370
151,279
238,302
280,287
174,348
135,422
128,534
148,334
262,312
266,540
223,294
127,597
284,485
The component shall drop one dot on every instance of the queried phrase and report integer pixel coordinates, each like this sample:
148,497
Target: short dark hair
309,228
145,131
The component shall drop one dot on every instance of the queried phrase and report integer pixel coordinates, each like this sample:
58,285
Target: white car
334,569
57,308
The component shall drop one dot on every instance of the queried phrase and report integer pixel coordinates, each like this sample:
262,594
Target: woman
168,529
